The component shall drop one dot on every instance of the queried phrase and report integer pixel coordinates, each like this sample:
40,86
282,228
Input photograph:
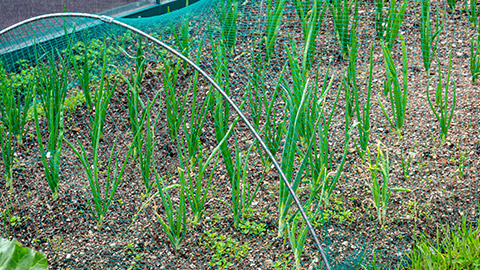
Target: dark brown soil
66,231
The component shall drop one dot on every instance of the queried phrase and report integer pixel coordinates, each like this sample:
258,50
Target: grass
450,249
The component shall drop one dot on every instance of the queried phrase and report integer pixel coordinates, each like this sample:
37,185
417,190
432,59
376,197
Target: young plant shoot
440,109
52,93
393,92
380,188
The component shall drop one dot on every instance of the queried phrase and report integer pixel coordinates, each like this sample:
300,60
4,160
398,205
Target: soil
439,195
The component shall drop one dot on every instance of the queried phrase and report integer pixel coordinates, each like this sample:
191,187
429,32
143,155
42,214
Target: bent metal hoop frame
110,20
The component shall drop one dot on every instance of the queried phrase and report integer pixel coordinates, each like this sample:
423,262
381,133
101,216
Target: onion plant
103,95
475,57
388,24
305,112
380,188
274,19
13,112
146,132
14,105
227,15
182,39
297,232
262,103
440,109
243,192
349,83
174,104
82,70
452,4
472,12
135,103
429,35
52,91
363,111
191,179
175,225
311,18
393,91
288,158
8,157
221,109
340,10
324,177
102,194
194,128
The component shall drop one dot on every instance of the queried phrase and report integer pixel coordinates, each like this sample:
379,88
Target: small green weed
225,250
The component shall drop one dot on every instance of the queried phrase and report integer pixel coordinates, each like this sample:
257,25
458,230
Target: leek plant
227,16
52,90
429,35
274,19
387,25
475,57
14,105
380,188
175,225
340,10
102,195
440,110
393,91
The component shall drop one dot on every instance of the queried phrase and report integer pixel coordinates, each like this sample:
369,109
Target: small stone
268,263
75,129
345,243
68,256
442,161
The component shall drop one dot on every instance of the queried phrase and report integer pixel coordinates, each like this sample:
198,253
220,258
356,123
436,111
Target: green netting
306,97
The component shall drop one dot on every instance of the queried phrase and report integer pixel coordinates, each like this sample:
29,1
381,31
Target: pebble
268,263
68,256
